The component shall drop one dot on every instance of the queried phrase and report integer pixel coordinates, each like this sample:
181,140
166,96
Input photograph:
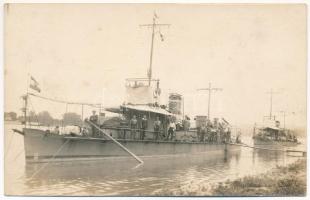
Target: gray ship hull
258,142
42,147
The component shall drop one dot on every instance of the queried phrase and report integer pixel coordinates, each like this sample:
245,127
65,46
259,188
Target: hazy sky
77,51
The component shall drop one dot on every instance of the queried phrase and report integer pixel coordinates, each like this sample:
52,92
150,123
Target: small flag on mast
34,84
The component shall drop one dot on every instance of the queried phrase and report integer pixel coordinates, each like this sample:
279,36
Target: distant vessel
271,133
114,139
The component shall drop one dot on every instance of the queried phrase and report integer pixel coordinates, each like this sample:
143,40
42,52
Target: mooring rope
43,166
17,155
9,145
268,149
245,145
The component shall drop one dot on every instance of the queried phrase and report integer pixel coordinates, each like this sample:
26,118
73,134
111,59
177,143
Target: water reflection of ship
107,172
271,133
143,99
268,158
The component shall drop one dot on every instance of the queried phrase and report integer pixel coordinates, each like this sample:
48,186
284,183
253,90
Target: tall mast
209,100
151,54
271,102
154,25
270,112
284,120
284,115
210,89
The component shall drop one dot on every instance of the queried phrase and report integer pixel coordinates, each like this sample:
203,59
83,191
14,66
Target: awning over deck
142,108
271,128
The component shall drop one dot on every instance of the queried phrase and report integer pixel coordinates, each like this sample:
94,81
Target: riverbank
288,180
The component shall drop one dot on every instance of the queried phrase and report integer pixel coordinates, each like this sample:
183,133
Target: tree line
44,118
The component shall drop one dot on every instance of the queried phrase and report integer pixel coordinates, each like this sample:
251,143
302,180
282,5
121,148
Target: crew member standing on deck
209,134
56,130
157,125
203,131
228,140
171,129
94,120
222,133
133,127
143,127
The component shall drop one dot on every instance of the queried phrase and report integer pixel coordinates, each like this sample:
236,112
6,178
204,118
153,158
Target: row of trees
44,118
10,116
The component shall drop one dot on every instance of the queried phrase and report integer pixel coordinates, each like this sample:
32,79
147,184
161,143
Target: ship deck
41,147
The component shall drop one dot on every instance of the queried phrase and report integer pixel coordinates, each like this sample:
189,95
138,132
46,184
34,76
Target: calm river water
107,177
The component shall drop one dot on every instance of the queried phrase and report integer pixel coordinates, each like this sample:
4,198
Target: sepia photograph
155,100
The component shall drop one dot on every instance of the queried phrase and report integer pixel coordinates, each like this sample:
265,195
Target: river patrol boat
271,133
114,140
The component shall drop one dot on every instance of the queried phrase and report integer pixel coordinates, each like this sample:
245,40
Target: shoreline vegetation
290,180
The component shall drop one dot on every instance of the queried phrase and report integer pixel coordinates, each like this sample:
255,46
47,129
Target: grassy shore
281,181
290,180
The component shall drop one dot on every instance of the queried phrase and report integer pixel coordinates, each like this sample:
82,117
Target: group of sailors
284,136
291,137
215,132
140,127
134,127
211,132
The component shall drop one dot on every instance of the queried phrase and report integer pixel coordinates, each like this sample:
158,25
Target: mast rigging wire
35,114
96,105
